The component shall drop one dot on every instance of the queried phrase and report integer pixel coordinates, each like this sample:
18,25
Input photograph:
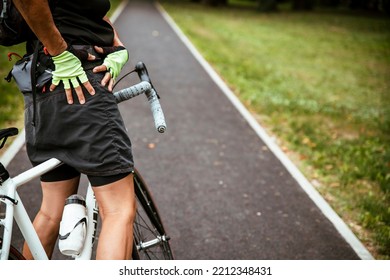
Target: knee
124,213
117,200
50,218
51,211
128,211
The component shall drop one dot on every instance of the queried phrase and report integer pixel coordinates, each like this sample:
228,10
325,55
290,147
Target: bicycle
150,240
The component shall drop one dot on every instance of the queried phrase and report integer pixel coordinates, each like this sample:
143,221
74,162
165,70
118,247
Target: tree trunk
267,5
302,5
329,3
214,2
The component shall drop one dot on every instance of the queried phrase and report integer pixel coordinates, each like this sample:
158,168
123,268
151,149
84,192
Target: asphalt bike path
221,191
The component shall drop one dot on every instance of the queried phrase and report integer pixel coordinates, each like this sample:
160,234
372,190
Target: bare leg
47,221
117,208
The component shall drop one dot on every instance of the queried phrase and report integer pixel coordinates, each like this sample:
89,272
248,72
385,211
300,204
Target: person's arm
68,67
116,42
38,16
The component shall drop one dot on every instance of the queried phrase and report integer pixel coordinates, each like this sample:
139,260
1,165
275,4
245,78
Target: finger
52,87
100,68
78,89
113,75
89,88
69,96
68,91
91,57
80,94
54,83
98,49
106,79
66,83
111,84
84,80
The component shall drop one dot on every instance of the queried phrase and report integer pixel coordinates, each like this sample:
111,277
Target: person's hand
115,59
69,71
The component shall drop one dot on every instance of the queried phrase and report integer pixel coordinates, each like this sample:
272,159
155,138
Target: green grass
320,82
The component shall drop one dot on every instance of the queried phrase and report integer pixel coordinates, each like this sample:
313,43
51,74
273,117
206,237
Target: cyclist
76,119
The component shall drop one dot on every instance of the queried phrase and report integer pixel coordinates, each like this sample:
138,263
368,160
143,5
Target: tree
212,2
267,5
302,5
329,3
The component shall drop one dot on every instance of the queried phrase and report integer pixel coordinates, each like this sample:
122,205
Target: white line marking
339,224
118,10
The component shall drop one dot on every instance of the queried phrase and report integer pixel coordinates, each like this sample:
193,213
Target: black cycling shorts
66,172
90,137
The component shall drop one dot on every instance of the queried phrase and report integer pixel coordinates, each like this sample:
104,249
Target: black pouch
21,72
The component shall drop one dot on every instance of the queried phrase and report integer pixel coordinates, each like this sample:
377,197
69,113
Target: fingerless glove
115,60
68,69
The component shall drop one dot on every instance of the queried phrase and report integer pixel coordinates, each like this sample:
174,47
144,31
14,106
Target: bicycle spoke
150,239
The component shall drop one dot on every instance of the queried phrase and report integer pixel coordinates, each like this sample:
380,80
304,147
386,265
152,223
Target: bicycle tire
14,254
151,241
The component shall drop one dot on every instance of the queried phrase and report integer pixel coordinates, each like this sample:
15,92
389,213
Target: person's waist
45,60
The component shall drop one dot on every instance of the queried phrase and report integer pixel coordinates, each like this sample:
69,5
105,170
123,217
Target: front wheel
151,242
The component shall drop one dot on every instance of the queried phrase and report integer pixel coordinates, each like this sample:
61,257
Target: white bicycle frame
15,210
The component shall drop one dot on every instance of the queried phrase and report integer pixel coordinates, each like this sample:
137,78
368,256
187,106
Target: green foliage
11,100
376,216
320,82
114,5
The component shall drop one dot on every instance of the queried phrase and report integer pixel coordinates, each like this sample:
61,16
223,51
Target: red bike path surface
221,192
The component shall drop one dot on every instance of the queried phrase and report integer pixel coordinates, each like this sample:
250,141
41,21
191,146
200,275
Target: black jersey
80,22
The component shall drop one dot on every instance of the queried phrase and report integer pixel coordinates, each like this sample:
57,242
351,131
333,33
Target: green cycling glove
68,69
115,60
